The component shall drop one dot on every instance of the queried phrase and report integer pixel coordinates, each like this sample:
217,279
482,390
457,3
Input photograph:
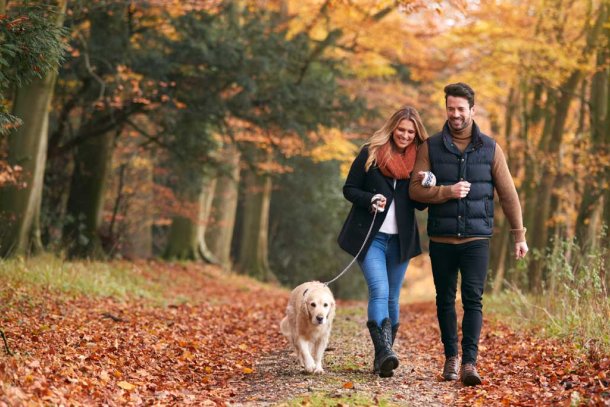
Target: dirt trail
348,364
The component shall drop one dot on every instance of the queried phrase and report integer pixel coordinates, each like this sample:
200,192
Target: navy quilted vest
473,215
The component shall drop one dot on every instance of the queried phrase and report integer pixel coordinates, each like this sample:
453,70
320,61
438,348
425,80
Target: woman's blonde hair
384,134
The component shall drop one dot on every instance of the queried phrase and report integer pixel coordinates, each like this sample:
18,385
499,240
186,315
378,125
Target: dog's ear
331,314
305,307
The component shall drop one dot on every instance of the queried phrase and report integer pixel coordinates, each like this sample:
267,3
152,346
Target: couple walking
386,177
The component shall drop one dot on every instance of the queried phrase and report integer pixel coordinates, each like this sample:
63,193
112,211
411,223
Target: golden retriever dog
308,322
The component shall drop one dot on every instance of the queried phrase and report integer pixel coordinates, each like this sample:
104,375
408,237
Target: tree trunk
500,262
186,237
549,176
182,242
252,258
540,231
220,230
500,247
139,213
589,215
108,45
92,164
28,149
205,203
533,171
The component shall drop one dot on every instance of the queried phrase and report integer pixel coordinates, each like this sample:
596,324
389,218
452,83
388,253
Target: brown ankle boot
470,377
450,370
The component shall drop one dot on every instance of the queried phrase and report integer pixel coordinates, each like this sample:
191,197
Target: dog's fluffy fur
308,322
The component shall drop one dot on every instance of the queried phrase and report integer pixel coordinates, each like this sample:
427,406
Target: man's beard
465,123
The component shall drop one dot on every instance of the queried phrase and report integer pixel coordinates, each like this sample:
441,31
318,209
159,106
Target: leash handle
361,248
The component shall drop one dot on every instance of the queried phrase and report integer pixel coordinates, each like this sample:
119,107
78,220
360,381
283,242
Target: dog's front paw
318,370
310,368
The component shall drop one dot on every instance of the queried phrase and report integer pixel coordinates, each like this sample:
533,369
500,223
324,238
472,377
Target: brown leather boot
450,370
470,377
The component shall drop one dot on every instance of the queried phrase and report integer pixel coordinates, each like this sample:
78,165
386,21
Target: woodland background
163,161
222,130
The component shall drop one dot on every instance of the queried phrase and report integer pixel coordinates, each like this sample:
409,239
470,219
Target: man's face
459,113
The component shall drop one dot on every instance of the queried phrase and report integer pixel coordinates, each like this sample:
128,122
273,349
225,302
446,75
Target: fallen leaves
521,369
188,353
204,351
126,385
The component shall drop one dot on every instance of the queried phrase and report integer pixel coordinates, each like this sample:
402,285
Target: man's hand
460,190
520,250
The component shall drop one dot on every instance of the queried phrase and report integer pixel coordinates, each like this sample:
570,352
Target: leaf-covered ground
216,342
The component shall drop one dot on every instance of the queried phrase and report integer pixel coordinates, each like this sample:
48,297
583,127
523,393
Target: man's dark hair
461,90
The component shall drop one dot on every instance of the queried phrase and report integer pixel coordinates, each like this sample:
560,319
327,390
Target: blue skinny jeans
384,274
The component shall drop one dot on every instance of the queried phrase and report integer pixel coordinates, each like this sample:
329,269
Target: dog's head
319,304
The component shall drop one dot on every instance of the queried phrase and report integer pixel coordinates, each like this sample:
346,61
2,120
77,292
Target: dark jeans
471,259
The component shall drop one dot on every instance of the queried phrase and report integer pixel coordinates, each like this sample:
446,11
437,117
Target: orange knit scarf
394,164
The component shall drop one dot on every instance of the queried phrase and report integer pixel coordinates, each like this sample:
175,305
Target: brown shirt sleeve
430,195
507,193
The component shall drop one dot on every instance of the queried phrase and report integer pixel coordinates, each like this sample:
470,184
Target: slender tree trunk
183,239
549,179
252,258
92,164
139,213
500,261
567,91
205,203
108,43
220,230
186,237
500,247
533,171
589,215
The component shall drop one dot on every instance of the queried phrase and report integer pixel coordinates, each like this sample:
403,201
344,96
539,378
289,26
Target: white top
389,224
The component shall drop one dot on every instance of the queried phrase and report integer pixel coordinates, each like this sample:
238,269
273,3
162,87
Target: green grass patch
582,322
325,399
96,279
574,303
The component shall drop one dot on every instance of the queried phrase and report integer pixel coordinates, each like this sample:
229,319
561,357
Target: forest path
215,340
278,379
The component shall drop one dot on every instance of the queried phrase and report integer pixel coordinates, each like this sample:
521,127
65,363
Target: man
468,165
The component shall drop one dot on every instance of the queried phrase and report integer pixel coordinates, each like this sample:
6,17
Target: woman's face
404,134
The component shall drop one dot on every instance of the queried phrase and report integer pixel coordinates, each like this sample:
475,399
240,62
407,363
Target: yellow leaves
104,376
247,370
334,146
373,65
186,355
126,385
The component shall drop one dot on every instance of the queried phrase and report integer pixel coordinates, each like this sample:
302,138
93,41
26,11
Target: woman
378,180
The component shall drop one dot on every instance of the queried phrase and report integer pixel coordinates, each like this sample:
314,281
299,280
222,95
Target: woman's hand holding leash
378,203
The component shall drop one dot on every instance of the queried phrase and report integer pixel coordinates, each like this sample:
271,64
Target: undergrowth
574,303
97,279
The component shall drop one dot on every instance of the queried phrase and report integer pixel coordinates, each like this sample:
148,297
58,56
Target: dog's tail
284,328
